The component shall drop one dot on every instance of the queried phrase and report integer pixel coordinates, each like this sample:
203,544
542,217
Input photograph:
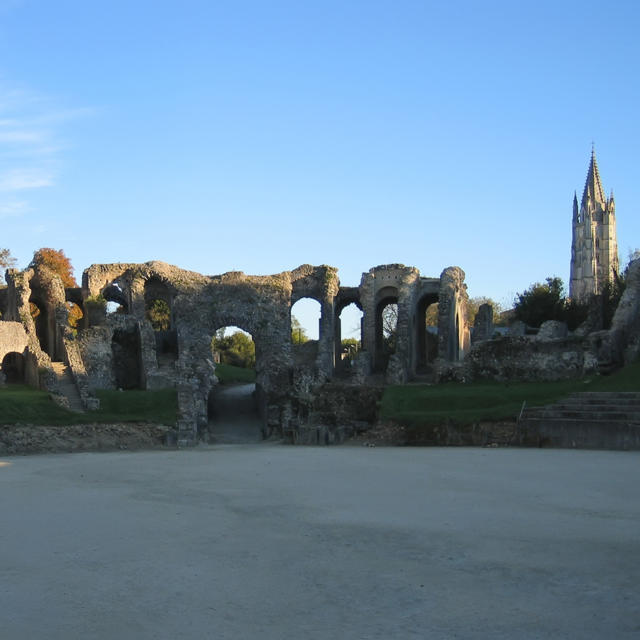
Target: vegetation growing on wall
159,315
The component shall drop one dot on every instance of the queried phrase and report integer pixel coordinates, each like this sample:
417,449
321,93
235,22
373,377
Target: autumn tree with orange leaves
60,265
57,262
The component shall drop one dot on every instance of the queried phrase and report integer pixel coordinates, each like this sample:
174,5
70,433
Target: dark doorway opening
13,368
127,360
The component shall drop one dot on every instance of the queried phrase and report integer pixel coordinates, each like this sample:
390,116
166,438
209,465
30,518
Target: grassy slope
25,405
228,374
467,403
409,404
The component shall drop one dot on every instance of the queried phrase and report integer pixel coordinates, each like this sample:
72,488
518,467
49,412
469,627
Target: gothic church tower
594,248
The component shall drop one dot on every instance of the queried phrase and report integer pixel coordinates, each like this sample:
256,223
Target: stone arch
73,296
306,353
158,305
386,296
114,293
126,351
14,368
157,289
44,322
344,299
235,410
426,341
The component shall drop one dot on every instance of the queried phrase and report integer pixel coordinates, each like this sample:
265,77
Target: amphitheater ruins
122,350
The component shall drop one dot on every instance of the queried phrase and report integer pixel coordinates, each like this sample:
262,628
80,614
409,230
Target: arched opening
233,404
13,368
115,300
426,331
386,325
75,307
3,300
158,311
127,358
114,307
76,315
44,331
306,315
348,336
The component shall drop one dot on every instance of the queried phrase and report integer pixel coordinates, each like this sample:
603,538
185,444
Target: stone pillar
326,339
453,331
483,324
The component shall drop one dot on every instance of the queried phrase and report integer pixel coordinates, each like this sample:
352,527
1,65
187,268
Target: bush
541,302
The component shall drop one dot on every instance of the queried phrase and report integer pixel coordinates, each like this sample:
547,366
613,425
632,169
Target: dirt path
235,418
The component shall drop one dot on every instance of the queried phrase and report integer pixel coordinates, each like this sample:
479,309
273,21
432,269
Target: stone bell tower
594,248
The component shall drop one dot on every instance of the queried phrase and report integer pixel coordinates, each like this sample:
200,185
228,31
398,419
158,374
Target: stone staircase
67,386
586,420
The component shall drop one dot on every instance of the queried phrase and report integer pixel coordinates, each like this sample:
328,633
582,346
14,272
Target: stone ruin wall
288,375
261,305
553,353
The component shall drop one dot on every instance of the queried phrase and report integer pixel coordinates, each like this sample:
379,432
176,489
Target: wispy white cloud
22,136
31,145
13,209
20,179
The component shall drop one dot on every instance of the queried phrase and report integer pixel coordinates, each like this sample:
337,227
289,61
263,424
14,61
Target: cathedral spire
594,248
593,184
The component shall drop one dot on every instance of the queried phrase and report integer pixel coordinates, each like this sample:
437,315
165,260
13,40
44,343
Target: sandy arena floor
276,542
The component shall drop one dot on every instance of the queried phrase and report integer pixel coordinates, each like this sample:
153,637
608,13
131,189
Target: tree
473,304
350,346
237,349
541,302
57,262
7,261
432,315
390,326
298,333
159,315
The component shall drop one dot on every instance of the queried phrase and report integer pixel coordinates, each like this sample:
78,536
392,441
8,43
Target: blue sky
257,136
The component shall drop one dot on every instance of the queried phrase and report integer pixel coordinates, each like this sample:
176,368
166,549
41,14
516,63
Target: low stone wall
337,412
531,359
576,434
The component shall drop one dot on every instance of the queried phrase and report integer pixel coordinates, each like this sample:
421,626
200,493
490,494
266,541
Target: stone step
589,419
528,421
587,434
596,408
67,386
605,395
554,413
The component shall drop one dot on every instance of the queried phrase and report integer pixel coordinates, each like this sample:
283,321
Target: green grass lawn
407,404
473,402
25,405
228,374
